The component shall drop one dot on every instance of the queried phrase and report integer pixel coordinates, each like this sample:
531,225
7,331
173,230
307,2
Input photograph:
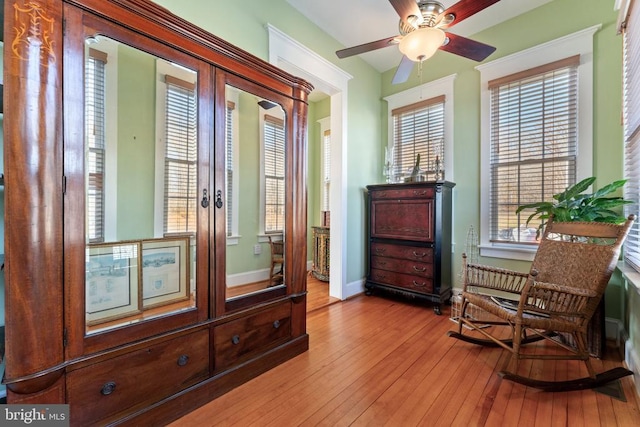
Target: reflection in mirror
255,175
141,185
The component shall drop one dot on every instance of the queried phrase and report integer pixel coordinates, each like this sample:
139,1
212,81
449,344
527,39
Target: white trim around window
578,43
443,86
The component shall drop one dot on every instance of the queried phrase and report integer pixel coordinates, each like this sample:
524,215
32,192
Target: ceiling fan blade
468,48
367,47
404,71
406,8
464,9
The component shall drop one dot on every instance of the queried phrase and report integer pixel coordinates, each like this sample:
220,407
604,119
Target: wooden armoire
129,137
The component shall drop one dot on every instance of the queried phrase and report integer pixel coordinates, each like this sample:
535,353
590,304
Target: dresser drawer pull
380,250
182,360
419,270
419,285
381,262
276,324
419,192
108,388
417,255
235,339
381,276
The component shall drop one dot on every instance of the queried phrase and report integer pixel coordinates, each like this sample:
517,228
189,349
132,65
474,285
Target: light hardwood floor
380,361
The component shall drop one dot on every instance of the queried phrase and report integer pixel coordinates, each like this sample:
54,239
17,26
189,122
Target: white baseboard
632,359
354,288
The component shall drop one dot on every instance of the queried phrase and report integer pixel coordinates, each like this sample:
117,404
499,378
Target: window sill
264,238
233,240
514,252
630,275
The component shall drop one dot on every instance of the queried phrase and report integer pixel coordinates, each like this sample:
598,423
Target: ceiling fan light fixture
422,43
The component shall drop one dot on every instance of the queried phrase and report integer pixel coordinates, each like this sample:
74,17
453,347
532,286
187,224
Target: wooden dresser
409,237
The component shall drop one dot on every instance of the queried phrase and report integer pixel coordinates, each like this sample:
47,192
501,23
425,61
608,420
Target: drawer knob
381,276
182,360
235,339
419,285
380,250
419,270
108,388
276,324
417,255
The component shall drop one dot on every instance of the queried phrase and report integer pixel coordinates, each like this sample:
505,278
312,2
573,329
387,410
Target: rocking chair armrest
554,299
480,276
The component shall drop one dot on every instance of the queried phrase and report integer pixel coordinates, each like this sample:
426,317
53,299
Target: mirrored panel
140,185
255,184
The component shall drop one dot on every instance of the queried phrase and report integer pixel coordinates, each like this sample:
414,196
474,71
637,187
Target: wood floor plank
378,361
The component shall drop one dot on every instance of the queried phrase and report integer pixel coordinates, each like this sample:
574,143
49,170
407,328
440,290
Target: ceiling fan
421,27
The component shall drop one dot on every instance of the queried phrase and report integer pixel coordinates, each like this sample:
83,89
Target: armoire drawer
405,266
100,391
240,339
411,282
403,193
404,252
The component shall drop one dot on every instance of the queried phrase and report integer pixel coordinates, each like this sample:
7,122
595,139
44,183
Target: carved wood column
33,199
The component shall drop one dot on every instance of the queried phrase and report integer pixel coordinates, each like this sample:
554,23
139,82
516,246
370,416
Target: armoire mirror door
251,222
137,171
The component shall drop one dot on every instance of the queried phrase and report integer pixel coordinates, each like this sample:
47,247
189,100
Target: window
421,121
418,129
95,142
180,177
274,156
176,167
229,164
533,144
325,173
632,129
536,137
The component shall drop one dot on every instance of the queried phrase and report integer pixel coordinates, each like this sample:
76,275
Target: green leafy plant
574,205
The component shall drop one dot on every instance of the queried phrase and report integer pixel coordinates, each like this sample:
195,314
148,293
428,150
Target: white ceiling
354,22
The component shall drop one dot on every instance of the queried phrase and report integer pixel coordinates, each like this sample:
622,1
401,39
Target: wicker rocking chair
555,301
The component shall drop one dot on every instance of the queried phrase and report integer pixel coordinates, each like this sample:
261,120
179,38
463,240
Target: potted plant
573,204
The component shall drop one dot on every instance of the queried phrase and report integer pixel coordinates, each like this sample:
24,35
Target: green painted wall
367,112
560,17
136,143
364,152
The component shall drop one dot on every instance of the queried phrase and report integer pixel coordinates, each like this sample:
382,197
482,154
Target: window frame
325,164
277,113
167,68
110,180
440,87
630,29
577,43
233,96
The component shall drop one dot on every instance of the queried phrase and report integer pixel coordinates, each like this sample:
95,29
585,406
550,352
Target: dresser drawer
136,379
240,339
408,281
403,193
402,266
400,251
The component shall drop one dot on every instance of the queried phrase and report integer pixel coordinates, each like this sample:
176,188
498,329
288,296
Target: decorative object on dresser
320,264
410,240
133,222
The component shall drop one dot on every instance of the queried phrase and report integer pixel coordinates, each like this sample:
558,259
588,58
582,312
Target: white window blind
181,157
95,143
274,174
326,169
632,129
229,137
533,144
418,129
